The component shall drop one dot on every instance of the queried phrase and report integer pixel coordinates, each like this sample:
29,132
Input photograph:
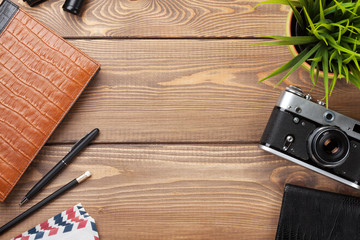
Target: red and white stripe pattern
73,223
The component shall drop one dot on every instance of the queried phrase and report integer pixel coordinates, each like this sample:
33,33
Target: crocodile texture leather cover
312,214
41,76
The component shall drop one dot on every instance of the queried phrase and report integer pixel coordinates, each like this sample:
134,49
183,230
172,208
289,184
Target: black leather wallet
308,214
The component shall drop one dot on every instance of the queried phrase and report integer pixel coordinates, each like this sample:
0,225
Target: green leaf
346,72
298,40
301,60
314,65
328,26
313,28
328,11
357,5
283,2
287,65
357,65
333,43
340,66
305,3
325,67
343,9
333,8
355,71
348,59
322,16
333,55
315,59
350,40
297,15
333,81
354,80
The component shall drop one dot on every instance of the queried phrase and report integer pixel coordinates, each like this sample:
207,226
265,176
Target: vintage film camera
307,133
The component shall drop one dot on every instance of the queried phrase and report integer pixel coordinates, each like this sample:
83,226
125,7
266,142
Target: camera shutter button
321,103
295,90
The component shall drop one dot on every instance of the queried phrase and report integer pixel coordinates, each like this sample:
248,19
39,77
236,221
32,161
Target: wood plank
185,91
163,19
170,191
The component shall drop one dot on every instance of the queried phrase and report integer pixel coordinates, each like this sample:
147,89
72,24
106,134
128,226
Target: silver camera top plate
317,112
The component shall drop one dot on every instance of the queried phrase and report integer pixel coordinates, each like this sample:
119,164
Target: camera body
309,134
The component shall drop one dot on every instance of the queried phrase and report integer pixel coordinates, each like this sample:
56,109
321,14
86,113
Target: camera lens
329,146
32,3
73,6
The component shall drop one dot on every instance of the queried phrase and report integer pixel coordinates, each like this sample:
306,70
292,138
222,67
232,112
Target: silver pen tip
23,201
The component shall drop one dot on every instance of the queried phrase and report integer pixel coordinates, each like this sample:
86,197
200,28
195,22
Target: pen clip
79,141
94,131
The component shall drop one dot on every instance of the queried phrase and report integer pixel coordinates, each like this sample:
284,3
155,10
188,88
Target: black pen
80,145
46,200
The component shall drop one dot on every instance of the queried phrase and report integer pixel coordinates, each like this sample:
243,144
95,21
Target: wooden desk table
180,114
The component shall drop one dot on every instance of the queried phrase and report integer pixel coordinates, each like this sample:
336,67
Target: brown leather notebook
310,214
41,76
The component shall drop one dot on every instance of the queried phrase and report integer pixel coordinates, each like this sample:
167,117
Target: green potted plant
324,39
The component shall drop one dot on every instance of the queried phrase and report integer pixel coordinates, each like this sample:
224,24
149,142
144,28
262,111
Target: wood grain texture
185,91
170,191
180,113
163,19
